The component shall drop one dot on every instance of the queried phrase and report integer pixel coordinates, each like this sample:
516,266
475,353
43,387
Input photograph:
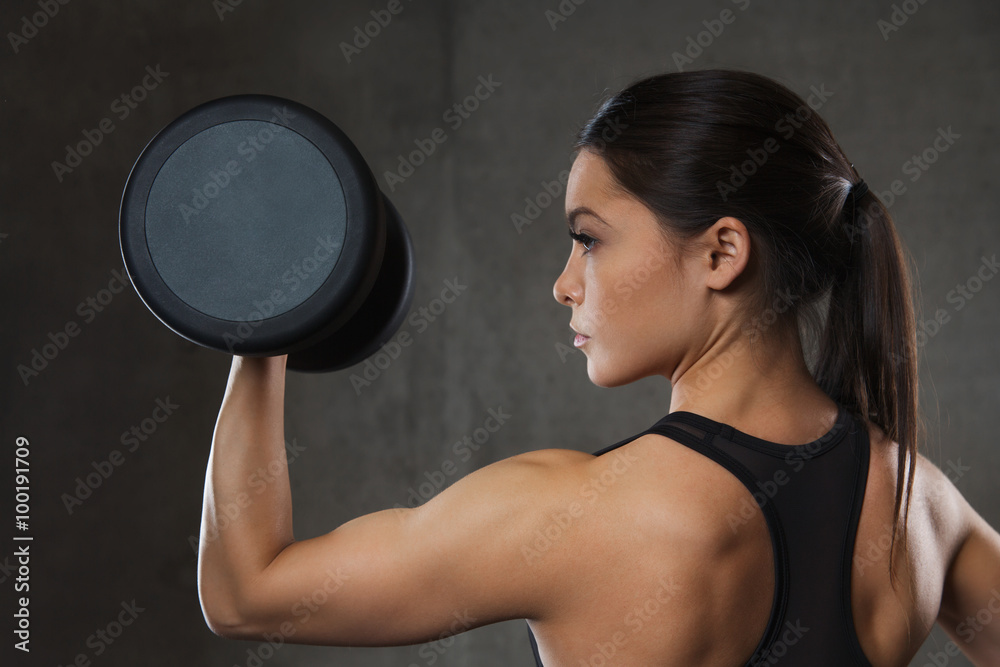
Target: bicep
404,576
970,604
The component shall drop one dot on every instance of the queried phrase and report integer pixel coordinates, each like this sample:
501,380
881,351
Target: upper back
684,565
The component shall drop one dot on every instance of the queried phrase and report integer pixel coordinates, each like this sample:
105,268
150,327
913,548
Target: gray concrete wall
495,346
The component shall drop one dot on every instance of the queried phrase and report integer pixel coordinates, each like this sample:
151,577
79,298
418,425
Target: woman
777,514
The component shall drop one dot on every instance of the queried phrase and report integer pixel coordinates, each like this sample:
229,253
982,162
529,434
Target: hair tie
859,189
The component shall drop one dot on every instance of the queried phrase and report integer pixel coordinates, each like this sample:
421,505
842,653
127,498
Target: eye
585,240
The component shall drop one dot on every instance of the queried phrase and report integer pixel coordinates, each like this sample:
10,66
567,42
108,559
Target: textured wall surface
358,450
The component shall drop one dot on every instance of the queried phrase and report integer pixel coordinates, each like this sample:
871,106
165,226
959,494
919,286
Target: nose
568,288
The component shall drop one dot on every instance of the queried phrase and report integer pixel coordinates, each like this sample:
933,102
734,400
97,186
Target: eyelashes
585,240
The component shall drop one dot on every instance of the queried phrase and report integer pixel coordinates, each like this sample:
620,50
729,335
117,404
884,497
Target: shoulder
945,505
656,490
939,515
651,467
648,509
650,488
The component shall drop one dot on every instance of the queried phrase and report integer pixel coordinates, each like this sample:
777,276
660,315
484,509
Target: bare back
684,566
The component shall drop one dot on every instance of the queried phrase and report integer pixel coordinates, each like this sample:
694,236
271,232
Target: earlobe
728,246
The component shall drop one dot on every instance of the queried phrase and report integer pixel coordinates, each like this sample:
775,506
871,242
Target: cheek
640,310
635,281
647,294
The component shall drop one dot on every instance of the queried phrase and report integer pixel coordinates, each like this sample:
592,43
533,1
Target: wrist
258,367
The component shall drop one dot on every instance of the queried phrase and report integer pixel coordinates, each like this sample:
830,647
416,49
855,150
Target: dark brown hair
698,146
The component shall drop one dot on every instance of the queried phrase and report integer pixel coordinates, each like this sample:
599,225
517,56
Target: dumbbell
252,225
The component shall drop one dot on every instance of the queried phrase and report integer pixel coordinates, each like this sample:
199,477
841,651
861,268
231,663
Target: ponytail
868,350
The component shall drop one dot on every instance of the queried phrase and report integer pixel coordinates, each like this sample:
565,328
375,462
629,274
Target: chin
602,376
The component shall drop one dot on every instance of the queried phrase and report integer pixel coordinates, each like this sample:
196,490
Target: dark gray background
495,346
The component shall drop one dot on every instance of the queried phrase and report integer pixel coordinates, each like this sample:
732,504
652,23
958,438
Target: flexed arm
398,576
243,529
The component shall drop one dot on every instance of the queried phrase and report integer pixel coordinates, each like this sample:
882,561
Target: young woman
778,514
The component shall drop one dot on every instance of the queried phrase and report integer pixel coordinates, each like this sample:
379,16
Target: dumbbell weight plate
252,225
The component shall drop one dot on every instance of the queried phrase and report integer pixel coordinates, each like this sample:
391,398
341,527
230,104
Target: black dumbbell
252,225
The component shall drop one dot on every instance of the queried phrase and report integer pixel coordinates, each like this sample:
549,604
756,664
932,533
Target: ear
726,246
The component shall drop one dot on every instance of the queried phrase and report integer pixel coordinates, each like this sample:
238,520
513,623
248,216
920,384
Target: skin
655,535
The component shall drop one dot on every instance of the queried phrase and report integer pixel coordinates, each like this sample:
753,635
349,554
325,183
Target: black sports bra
811,497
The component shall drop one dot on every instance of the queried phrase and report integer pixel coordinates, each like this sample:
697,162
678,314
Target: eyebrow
583,210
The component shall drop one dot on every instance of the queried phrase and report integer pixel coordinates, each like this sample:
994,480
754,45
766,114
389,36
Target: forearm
247,510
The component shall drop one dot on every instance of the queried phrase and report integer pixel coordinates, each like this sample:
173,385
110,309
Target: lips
580,338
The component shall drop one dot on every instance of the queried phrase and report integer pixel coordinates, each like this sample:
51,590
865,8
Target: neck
764,387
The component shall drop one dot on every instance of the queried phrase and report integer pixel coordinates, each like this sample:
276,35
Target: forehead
590,181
